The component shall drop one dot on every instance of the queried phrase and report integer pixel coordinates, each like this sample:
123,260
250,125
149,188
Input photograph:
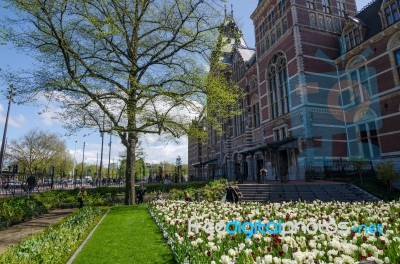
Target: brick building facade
321,85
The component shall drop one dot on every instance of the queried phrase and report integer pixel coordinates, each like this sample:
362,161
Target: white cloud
167,151
15,121
48,114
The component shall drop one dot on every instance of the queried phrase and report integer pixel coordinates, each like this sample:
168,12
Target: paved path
16,233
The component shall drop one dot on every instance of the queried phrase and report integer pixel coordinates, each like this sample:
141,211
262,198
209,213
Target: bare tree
122,66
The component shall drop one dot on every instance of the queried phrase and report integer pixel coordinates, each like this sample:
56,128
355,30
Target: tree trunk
130,170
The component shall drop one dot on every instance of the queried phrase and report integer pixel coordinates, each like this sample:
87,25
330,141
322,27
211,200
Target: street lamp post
83,160
73,167
109,158
101,152
3,144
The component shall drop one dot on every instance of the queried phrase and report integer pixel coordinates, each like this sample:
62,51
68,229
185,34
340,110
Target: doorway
283,165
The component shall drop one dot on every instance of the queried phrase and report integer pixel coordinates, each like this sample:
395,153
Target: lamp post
73,167
3,144
178,166
109,158
83,160
101,153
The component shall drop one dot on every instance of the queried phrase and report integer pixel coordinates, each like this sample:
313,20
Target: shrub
57,243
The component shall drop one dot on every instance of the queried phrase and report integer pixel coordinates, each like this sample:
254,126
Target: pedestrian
237,194
159,196
31,182
187,197
141,194
81,196
263,174
230,194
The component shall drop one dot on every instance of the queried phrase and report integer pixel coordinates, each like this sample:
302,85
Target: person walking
81,196
141,194
31,182
187,197
263,174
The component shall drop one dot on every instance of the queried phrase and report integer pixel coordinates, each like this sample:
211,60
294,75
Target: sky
23,118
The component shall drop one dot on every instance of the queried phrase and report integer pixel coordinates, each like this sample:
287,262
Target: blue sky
26,117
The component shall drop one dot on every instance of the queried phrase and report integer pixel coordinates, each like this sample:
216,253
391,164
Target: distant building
322,85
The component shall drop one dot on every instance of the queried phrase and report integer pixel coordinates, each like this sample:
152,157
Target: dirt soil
16,233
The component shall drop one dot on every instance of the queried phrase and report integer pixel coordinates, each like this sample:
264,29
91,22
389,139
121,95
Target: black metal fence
334,169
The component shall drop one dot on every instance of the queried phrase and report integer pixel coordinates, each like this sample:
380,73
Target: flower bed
301,247
57,243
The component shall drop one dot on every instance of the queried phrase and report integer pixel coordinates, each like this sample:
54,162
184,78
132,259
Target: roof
370,16
247,54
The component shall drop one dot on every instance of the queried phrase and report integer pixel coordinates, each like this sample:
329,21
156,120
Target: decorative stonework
364,114
355,62
395,42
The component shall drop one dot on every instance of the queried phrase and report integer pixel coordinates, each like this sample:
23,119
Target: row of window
270,21
325,22
326,6
273,36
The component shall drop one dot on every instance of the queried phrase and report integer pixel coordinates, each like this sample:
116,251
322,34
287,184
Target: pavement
16,233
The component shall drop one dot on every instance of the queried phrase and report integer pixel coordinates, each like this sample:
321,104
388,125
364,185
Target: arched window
367,134
394,53
277,82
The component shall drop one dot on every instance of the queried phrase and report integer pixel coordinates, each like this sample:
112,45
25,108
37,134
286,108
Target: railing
336,169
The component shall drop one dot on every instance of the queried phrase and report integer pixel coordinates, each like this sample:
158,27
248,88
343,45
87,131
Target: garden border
72,258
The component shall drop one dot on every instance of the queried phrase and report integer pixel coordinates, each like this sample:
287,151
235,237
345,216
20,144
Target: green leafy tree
123,66
37,150
387,174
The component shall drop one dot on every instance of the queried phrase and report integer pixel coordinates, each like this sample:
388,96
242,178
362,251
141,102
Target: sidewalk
16,233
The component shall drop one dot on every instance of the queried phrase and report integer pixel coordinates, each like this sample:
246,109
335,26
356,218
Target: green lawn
126,235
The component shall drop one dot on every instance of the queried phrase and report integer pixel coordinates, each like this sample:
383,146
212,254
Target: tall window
277,82
326,7
360,85
341,8
239,120
281,6
397,57
353,39
392,13
310,4
255,111
368,139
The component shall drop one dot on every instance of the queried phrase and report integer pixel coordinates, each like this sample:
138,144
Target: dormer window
392,13
353,39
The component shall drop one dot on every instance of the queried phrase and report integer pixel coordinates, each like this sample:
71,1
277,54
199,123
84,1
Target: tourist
187,197
159,196
141,194
31,182
81,196
263,174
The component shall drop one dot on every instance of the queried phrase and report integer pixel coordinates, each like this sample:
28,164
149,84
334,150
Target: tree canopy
37,150
128,67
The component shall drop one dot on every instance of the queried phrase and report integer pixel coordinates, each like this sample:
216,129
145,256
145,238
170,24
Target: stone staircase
342,192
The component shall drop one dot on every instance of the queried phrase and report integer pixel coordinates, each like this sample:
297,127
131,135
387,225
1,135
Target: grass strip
126,235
